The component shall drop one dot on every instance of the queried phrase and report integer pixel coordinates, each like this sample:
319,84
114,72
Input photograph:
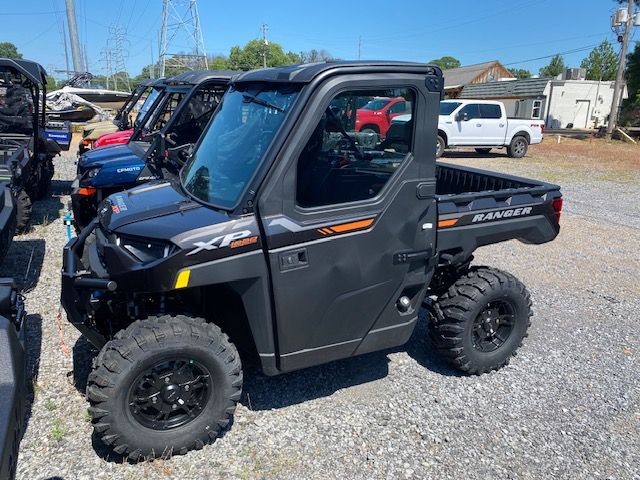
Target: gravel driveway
568,406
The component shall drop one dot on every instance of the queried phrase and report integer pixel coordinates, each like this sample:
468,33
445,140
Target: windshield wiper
252,98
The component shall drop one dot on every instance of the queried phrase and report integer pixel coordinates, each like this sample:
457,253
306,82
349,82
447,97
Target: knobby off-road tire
481,320
518,147
44,182
23,211
164,351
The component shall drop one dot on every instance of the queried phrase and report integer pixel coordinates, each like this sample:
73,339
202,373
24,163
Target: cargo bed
478,207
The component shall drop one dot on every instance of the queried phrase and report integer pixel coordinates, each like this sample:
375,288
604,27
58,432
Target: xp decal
233,240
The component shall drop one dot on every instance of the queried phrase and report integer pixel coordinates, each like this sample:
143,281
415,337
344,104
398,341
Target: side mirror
462,117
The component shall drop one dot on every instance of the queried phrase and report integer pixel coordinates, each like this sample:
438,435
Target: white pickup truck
483,125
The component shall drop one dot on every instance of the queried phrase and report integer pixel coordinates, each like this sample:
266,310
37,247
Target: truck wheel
518,147
163,386
440,146
370,129
23,211
481,320
483,151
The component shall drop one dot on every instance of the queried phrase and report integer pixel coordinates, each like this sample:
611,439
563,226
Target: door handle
501,125
478,124
293,259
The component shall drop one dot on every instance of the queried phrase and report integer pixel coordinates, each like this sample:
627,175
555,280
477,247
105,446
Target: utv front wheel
164,386
481,320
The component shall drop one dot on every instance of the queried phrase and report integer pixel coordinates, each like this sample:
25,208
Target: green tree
446,62
602,62
555,67
52,84
520,72
251,55
9,50
218,62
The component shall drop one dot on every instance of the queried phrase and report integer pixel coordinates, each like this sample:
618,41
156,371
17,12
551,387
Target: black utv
7,215
296,240
26,155
13,376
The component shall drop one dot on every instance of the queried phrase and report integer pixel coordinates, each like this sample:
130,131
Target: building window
537,109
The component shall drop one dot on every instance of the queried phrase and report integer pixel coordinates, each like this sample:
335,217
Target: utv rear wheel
44,182
163,386
441,145
23,211
518,147
481,320
483,151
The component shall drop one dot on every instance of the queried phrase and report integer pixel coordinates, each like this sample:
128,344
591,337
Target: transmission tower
117,54
181,25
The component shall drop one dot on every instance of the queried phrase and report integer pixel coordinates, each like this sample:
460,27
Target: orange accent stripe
448,223
321,232
347,227
326,231
86,191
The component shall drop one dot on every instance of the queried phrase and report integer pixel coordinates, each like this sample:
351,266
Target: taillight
542,128
556,204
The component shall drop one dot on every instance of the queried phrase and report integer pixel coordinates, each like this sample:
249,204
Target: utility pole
359,46
76,53
617,22
265,44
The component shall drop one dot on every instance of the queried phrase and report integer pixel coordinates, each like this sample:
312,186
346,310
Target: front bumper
79,283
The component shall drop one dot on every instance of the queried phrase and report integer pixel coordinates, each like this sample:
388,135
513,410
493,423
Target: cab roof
305,73
31,70
194,77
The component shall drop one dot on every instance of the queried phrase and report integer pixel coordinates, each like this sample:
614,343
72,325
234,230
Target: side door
349,225
494,124
467,125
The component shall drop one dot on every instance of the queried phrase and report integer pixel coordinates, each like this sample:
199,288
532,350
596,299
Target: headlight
144,250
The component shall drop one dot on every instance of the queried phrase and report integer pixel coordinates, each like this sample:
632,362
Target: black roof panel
304,73
32,70
194,77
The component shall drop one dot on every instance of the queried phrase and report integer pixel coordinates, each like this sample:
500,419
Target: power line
567,52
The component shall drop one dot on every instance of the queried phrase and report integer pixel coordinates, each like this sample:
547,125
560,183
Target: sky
516,32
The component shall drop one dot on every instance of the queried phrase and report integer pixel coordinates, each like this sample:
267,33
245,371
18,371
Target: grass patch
58,430
50,405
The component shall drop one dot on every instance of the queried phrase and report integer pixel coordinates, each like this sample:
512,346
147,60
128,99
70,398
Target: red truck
376,116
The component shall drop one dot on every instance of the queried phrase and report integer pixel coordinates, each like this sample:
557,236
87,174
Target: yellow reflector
183,279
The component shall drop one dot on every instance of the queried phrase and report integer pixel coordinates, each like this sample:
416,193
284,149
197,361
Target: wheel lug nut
174,406
166,379
186,388
154,400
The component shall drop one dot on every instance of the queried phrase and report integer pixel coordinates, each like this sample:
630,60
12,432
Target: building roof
526,87
456,77
305,73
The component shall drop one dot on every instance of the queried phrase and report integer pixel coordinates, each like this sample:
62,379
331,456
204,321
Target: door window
470,111
400,107
195,115
488,110
339,165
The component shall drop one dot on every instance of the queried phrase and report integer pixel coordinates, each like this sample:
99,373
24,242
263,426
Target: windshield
377,104
447,108
235,141
146,105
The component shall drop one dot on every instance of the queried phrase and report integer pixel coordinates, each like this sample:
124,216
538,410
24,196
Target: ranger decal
514,212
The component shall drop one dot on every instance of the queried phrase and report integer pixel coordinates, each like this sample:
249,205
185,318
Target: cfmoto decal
223,241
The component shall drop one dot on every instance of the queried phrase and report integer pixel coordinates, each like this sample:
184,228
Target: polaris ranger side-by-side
26,155
157,149
300,240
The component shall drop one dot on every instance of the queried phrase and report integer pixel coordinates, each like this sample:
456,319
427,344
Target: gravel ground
568,406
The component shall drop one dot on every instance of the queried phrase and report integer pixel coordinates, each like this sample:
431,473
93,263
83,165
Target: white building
580,104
